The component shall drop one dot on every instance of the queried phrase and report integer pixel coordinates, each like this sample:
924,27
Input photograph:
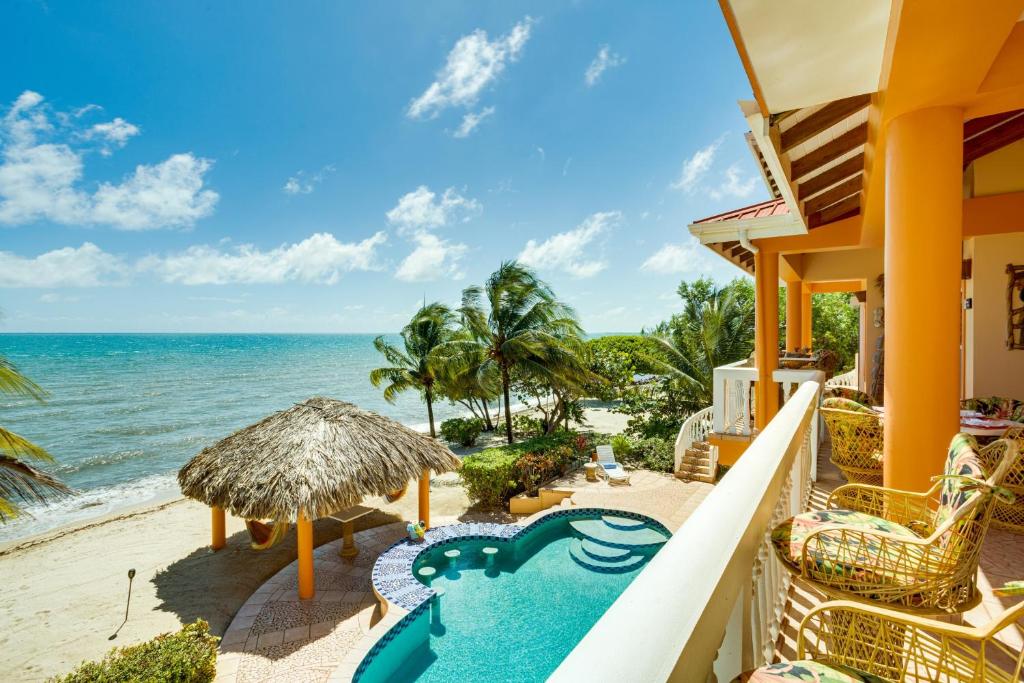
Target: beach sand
64,592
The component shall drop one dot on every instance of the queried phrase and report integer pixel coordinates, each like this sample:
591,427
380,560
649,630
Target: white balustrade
732,396
695,428
709,604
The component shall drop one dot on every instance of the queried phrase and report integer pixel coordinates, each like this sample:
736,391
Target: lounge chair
609,468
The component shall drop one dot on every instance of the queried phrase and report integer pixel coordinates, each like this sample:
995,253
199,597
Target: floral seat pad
808,670
790,536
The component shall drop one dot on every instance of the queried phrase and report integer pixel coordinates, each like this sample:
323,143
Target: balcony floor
1002,560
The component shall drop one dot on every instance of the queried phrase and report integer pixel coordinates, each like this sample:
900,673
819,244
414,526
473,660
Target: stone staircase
697,463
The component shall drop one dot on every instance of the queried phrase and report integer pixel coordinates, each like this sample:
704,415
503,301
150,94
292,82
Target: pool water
516,615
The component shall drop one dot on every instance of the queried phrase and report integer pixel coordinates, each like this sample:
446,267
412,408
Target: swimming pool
513,612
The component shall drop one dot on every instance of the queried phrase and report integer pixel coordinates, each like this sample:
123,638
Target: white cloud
305,183
470,121
39,179
567,251
734,185
696,167
673,259
605,59
473,63
432,259
320,258
85,266
55,298
169,194
115,133
422,209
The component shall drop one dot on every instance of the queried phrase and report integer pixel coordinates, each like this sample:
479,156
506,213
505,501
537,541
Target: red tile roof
772,207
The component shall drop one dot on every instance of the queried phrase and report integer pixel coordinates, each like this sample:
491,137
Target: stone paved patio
277,637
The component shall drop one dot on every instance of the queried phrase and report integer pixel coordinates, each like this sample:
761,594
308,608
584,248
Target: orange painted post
806,319
923,251
424,493
766,335
794,315
218,535
304,532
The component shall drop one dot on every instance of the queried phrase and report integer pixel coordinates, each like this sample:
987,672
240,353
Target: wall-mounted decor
1015,307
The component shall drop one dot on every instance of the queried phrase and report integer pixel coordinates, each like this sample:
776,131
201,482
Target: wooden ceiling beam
843,209
841,171
821,120
834,194
830,151
730,244
993,139
984,123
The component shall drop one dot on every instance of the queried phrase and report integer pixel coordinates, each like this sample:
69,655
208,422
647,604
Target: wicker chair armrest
929,557
811,623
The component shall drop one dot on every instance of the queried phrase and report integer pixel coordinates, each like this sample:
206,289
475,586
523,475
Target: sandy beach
64,591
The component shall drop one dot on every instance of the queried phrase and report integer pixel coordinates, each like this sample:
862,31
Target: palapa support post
304,529
348,544
217,521
424,496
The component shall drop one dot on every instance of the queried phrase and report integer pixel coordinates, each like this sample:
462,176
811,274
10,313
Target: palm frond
19,480
14,383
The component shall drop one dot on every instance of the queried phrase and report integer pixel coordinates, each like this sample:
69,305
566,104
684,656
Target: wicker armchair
848,642
849,393
856,433
1010,515
914,551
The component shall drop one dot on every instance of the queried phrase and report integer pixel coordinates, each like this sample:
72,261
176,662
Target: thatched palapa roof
320,456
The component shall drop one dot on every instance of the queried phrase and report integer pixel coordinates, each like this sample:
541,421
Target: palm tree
18,479
519,323
419,365
714,329
467,382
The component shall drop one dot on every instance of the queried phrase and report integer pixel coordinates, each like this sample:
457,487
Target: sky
327,167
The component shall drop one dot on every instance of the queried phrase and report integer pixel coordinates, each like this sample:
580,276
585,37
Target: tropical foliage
187,656
463,431
494,475
418,364
19,480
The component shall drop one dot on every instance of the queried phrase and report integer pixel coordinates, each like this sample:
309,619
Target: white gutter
744,236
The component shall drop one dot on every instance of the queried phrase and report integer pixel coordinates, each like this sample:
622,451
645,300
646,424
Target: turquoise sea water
127,410
514,619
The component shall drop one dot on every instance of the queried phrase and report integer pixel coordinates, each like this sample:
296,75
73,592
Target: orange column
766,335
304,532
794,315
923,247
218,535
806,319
424,493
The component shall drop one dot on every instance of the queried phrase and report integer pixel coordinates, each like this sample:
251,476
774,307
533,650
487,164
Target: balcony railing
711,600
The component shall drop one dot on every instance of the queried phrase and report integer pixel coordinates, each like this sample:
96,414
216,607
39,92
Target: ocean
126,411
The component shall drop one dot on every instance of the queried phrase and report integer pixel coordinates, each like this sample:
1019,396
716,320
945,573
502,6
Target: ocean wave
88,504
104,460
143,430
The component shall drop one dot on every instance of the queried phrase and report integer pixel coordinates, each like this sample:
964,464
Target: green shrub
493,475
187,656
462,430
621,446
526,426
655,454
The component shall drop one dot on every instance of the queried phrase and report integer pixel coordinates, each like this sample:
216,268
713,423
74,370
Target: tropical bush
655,454
187,656
621,446
494,475
617,359
526,426
462,430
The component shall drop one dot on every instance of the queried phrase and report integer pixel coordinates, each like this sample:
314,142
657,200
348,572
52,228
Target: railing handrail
685,596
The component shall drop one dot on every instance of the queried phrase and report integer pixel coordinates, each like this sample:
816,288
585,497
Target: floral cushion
840,403
808,670
849,393
962,461
996,406
790,536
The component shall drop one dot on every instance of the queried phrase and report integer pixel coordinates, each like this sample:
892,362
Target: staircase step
611,566
701,446
598,532
623,523
602,552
